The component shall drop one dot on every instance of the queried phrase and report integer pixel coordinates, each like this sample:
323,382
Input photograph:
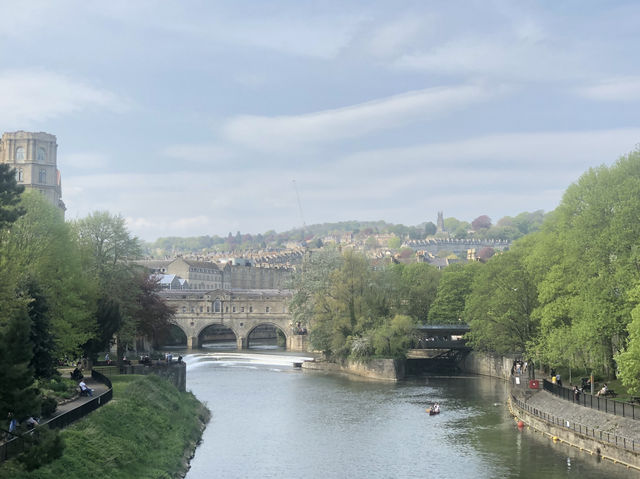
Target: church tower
440,223
34,159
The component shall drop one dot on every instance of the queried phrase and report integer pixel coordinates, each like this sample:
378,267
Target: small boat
433,412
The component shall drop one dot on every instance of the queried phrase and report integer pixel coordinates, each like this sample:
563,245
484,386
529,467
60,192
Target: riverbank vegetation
359,312
67,289
142,433
566,294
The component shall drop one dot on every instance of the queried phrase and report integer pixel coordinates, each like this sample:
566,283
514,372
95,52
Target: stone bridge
239,310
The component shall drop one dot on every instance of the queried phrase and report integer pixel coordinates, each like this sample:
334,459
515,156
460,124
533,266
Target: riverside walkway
594,419
608,435
77,401
65,414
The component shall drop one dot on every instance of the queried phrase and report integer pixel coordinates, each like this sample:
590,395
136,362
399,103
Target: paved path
568,410
98,388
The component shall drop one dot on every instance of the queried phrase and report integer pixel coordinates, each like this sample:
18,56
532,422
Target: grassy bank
148,430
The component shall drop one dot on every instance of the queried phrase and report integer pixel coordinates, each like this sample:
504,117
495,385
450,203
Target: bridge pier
192,342
241,343
297,342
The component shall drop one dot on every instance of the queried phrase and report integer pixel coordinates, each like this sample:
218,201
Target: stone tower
440,223
34,158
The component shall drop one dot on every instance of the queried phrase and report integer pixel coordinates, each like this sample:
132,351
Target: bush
48,406
47,446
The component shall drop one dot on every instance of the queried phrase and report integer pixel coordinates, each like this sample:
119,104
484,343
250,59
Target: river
270,420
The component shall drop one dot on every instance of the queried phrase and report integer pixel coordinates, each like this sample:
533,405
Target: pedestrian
576,393
12,425
31,422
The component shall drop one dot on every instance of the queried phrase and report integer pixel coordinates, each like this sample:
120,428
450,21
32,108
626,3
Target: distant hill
509,228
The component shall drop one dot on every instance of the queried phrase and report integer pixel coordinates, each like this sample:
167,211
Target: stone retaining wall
380,369
573,438
486,364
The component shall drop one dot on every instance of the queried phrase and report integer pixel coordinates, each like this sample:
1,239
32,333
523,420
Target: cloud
88,160
396,36
522,53
516,151
498,175
615,89
211,154
31,96
285,132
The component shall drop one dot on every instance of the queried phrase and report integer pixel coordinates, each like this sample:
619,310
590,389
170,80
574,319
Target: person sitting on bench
84,389
603,391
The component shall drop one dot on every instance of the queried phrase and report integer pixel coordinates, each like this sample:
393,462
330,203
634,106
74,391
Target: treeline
507,228
565,295
354,310
67,289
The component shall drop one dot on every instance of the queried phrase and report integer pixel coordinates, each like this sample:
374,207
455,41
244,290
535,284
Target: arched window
19,154
42,177
216,306
42,155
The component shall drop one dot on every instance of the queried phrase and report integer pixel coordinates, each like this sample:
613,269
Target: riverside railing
599,403
19,443
602,436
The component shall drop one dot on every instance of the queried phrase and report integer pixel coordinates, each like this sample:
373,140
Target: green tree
107,250
153,314
430,229
394,242
417,288
41,337
42,249
10,191
585,261
393,337
18,393
453,289
500,306
628,359
311,283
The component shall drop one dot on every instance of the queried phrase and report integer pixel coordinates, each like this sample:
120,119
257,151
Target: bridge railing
440,344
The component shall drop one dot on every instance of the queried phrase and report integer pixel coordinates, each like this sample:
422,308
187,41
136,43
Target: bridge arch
217,332
269,333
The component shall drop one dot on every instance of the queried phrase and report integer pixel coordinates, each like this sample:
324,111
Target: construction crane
304,225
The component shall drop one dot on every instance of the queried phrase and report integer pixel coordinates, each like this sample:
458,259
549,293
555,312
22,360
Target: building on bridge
241,312
208,275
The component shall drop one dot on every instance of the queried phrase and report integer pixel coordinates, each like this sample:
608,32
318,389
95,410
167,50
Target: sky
197,118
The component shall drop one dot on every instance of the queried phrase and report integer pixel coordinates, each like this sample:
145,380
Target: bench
635,399
610,393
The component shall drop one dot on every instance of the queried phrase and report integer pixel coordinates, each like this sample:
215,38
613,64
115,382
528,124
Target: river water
270,420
